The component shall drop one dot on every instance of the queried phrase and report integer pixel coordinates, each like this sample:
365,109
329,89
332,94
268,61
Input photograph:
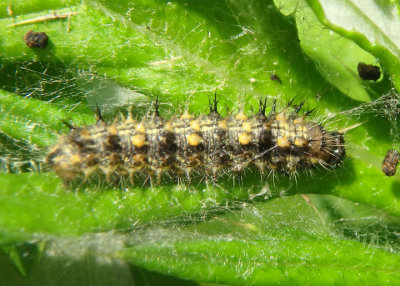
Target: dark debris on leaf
369,72
36,39
275,77
390,162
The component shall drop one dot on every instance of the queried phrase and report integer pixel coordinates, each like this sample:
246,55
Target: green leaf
263,244
373,25
113,55
325,48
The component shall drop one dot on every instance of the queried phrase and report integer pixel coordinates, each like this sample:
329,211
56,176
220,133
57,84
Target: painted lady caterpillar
209,144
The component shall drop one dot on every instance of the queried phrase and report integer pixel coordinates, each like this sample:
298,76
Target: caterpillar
210,144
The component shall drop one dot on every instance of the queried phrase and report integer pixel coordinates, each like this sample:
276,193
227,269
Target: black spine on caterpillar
209,144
